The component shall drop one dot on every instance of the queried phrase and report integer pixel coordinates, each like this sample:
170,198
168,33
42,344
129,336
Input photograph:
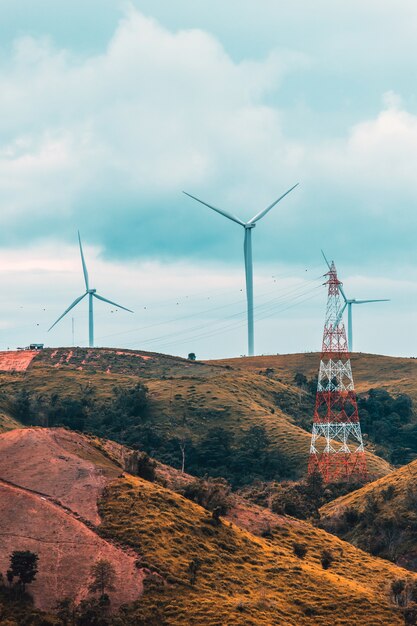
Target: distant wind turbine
248,226
91,293
348,305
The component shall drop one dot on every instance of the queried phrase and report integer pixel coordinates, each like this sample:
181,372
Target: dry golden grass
243,579
395,374
205,395
7,423
385,516
402,481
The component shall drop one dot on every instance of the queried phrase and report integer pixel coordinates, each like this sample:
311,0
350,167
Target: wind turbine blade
83,262
271,206
325,258
342,310
119,306
366,301
342,292
67,310
225,213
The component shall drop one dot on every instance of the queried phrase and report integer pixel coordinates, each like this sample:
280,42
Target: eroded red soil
57,463
16,361
50,480
67,550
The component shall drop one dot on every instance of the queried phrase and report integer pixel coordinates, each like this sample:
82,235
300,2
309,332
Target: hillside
381,517
189,404
48,501
7,423
395,374
49,485
386,387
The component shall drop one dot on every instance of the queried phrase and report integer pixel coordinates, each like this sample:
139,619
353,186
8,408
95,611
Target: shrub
24,566
300,549
193,569
327,559
410,616
210,493
140,464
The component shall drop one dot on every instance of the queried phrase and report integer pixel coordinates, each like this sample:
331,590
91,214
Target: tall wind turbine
348,305
91,293
247,247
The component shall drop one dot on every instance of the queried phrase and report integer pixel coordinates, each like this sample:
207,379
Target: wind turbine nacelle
248,226
91,290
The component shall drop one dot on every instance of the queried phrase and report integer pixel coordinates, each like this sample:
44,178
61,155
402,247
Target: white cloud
158,111
380,152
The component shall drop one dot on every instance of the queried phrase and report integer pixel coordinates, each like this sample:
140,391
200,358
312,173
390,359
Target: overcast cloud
102,127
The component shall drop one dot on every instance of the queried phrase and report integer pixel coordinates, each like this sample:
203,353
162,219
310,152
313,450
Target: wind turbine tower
348,302
91,293
247,249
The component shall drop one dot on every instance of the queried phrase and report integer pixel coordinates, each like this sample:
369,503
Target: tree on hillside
210,493
193,569
24,566
66,611
191,356
104,577
300,379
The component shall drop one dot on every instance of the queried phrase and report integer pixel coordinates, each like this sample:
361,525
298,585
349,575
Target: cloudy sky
109,109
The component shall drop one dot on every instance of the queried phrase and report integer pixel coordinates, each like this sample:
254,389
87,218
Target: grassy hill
381,517
156,538
395,374
50,481
387,389
187,402
8,423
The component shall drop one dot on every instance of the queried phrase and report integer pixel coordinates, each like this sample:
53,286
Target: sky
110,109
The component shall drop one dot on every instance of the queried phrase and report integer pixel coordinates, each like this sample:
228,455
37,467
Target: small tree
193,569
300,379
300,550
410,616
66,611
327,559
104,577
24,566
210,493
192,356
145,467
397,588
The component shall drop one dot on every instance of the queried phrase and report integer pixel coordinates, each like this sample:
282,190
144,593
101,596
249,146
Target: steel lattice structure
336,450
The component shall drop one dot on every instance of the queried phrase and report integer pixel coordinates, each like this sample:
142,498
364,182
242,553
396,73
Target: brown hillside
381,517
49,485
197,396
7,423
243,579
72,471
395,374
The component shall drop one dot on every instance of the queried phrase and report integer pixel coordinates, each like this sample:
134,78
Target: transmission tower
336,444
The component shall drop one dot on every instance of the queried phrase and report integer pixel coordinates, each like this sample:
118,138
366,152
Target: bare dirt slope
50,481
57,463
66,547
16,360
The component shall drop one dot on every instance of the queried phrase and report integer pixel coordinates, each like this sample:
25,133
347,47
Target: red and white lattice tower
336,444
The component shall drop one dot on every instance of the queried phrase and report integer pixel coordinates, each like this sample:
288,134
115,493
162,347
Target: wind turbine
247,247
91,293
348,304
